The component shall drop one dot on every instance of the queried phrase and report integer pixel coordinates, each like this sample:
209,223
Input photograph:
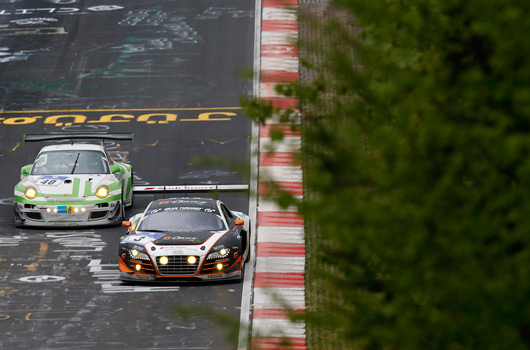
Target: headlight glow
164,260
102,191
138,267
136,254
192,260
30,192
219,266
219,254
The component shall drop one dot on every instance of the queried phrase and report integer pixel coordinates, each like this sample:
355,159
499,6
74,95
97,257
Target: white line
245,320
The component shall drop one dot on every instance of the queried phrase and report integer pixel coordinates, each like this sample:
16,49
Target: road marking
41,279
122,110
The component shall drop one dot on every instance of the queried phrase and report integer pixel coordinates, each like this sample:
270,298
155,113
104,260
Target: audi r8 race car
74,184
181,239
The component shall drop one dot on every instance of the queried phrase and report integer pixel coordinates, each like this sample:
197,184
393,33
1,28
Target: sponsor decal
65,209
50,180
211,277
182,208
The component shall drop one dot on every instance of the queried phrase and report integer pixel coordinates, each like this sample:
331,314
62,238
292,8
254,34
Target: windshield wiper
75,164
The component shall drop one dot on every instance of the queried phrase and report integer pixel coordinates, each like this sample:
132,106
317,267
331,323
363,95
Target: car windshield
70,162
181,221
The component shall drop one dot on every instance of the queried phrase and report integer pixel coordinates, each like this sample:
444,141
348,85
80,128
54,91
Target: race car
74,184
185,239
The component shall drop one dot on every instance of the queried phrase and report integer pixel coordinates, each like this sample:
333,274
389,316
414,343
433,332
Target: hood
184,238
69,185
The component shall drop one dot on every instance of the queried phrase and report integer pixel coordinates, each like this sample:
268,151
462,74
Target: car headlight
136,254
102,191
30,192
219,254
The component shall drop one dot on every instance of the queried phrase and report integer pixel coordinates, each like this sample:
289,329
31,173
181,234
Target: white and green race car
75,184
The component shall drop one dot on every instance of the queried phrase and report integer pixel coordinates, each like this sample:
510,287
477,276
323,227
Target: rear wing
73,137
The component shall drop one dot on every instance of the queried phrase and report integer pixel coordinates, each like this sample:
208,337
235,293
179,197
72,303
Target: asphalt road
171,72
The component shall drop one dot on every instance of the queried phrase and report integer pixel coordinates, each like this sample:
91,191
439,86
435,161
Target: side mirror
25,171
126,223
115,169
239,222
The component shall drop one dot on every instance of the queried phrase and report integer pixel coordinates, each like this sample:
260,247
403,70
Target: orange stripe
124,267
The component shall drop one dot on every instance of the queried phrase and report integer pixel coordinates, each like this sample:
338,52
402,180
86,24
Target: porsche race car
75,184
185,239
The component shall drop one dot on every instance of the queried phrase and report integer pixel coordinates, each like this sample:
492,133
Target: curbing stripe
268,249
275,25
275,313
286,129
278,280
279,50
280,219
276,76
294,188
280,264
281,234
278,158
278,343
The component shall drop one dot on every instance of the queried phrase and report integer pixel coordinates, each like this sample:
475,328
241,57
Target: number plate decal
51,180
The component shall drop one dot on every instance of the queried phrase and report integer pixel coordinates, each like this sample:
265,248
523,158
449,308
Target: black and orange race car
180,239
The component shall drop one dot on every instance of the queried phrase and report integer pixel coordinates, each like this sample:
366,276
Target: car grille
98,215
178,265
34,215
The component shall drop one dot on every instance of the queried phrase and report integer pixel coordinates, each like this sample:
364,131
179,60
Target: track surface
169,71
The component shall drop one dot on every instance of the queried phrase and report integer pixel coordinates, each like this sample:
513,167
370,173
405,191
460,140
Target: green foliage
416,150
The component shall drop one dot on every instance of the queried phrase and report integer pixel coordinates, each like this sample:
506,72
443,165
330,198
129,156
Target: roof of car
73,147
185,203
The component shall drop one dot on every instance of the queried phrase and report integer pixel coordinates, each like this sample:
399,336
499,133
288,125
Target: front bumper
134,277
148,270
58,214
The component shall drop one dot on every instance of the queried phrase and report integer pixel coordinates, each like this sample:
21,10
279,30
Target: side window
228,216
